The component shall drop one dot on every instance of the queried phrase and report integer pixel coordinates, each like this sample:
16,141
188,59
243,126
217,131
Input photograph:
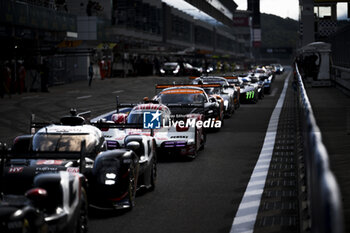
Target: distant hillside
278,32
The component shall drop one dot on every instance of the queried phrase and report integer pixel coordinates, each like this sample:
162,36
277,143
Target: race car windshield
62,142
212,90
170,65
181,98
214,81
233,81
135,118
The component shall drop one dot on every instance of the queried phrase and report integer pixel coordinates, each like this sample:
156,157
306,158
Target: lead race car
167,136
112,176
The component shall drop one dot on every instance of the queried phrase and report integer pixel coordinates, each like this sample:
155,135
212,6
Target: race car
188,99
74,146
233,80
265,77
41,205
168,136
250,90
228,92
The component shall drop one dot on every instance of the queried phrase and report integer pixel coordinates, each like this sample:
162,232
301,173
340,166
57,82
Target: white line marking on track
30,97
73,91
83,97
244,220
118,91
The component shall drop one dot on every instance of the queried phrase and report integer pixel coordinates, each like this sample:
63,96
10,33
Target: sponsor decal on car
250,95
15,169
73,169
49,162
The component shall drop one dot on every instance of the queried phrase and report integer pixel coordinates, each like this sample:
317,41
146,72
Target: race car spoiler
53,155
163,86
74,119
107,125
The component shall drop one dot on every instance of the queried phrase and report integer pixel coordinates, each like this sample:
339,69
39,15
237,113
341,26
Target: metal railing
324,198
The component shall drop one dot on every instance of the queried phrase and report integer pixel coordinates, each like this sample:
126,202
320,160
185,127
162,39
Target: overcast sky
286,8
282,8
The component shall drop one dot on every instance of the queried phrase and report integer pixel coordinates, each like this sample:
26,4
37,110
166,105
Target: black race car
51,202
111,175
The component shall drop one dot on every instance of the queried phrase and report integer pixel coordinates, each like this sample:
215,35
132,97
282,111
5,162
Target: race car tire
193,156
256,98
204,140
153,175
82,223
132,189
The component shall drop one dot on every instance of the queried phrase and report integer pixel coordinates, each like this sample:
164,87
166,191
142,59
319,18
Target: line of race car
50,177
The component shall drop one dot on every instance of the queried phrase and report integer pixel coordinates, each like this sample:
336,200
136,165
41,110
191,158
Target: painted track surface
198,196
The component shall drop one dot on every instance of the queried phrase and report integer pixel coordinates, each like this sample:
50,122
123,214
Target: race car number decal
250,95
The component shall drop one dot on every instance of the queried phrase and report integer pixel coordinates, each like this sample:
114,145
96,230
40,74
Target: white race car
169,134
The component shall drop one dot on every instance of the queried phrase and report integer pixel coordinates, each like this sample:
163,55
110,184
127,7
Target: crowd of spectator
20,76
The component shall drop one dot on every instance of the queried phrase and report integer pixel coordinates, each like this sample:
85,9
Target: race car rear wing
163,86
52,155
230,77
103,125
74,119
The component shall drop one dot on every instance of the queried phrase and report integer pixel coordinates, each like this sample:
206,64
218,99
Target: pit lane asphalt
198,196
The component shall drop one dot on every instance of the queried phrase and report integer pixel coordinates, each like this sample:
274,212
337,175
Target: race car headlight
110,178
177,69
190,142
109,182
111,175
162,71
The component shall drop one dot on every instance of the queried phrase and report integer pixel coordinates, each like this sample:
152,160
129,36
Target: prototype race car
41,204
166,135
76,147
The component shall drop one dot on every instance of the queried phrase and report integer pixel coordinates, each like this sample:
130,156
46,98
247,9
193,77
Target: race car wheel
256,98
204,139
153,175
131,189
82,223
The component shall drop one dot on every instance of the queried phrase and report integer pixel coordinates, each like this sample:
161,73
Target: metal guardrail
324,198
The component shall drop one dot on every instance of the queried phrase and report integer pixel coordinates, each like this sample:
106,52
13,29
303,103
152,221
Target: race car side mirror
37,196
119,118
133,145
